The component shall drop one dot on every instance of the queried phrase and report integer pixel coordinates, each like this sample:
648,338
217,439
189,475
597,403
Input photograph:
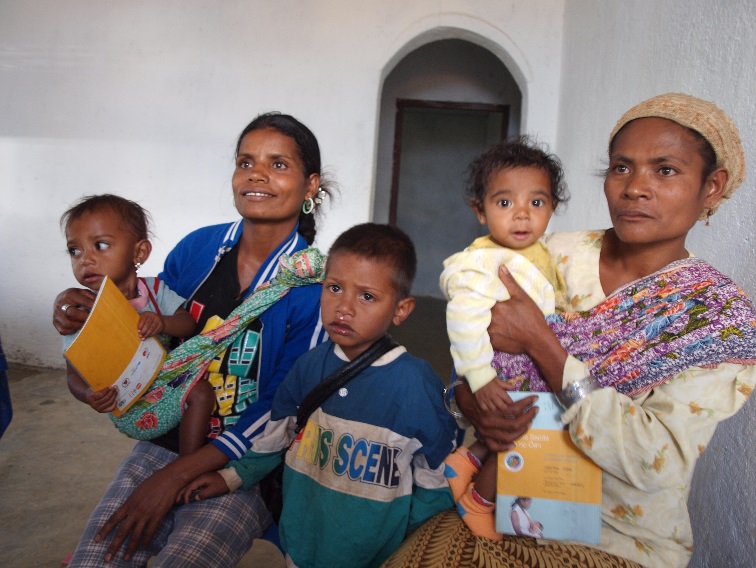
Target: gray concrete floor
56,459
58,456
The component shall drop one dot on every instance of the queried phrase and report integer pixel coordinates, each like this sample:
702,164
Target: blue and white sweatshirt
368,466
290,327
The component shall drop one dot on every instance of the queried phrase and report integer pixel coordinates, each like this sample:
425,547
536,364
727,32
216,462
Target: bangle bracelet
452,408
577,390
447,403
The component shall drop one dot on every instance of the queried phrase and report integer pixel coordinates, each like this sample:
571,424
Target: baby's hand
493,396
103,400
149,324
205,486
513,383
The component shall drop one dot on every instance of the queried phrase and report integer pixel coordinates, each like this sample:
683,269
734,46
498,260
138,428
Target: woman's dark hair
518,501
134,216
309,153
705,149
520,152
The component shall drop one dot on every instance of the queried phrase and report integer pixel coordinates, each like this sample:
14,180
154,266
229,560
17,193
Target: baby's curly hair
520,152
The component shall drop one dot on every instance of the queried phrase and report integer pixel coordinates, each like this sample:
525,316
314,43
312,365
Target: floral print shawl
687,314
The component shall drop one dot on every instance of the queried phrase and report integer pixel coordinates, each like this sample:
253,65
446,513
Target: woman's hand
77,303
497,429
518,326
518,323
141,514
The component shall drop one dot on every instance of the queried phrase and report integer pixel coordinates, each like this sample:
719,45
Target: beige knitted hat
708,120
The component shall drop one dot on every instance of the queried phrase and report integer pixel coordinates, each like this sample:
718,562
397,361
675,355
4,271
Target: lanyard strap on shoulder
317,396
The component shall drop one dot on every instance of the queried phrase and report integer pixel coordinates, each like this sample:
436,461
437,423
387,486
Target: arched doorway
441,105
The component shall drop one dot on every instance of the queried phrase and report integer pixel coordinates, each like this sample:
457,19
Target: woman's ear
714,186
313,183
142,250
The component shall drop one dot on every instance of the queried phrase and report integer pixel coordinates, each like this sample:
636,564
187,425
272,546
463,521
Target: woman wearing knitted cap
662,350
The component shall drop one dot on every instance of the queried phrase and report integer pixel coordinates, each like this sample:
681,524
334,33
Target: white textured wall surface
146,99
617,54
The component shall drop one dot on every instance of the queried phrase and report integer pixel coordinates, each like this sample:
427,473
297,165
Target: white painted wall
146,98
617,54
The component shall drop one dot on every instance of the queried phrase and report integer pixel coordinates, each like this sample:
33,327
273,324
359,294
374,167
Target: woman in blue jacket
277,185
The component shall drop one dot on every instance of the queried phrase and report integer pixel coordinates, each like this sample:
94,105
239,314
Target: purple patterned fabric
687,314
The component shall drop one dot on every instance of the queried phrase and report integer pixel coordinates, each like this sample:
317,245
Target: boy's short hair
134,216
520,152
383,243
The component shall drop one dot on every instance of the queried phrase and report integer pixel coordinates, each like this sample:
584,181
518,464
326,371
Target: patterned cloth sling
687,314
161,408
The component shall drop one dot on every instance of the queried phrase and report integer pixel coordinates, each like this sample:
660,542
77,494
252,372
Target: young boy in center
513,188
368,466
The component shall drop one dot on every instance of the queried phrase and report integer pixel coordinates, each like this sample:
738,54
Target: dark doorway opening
434,141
